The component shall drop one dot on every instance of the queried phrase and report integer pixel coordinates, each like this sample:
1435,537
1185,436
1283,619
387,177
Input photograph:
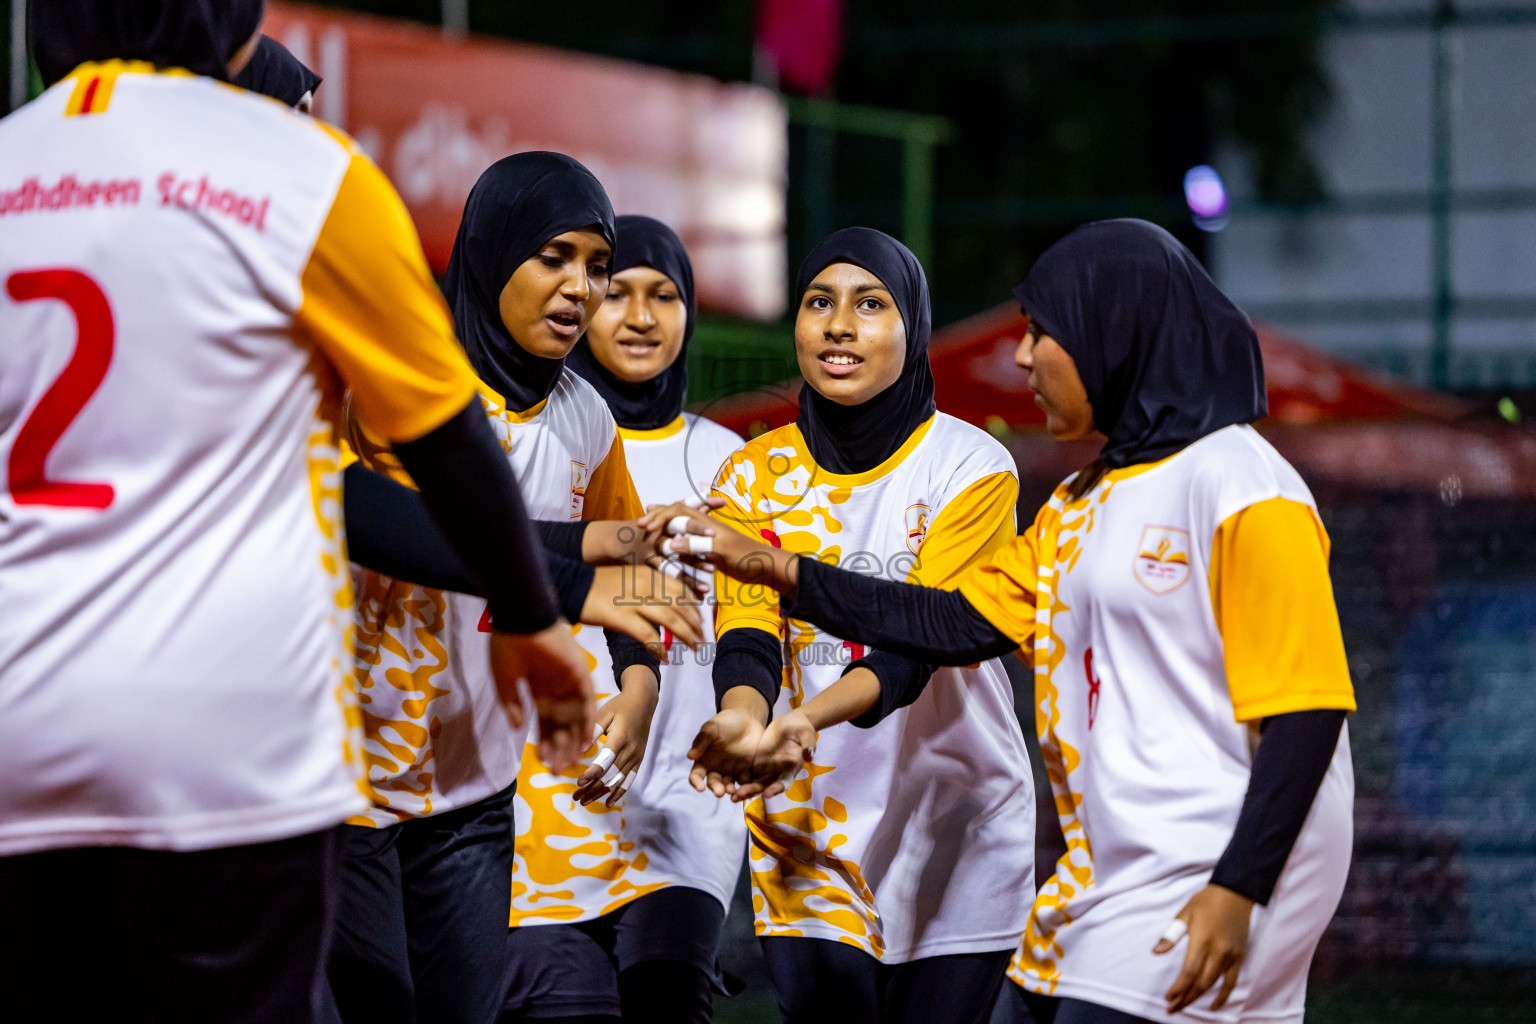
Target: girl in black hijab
517,207
644,944
530,266
202,36
655,401
876,873
1178,587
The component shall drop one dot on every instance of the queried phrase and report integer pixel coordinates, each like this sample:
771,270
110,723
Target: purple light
1207,197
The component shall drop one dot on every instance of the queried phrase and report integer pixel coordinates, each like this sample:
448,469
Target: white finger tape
611,776
699,545
603,759
629,780
677,526
696,502
1175,932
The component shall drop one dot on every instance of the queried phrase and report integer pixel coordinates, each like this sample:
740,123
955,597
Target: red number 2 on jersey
62,402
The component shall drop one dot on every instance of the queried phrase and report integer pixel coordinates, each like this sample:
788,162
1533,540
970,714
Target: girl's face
551,297
849,336
1059,391
638,331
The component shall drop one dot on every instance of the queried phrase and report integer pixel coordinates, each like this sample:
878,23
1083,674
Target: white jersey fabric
1149,767
436,735
914,838
190,274
664,832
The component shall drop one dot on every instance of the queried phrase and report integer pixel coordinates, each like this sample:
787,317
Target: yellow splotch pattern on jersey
665,833
562,849
913,838
1167,611
435,734
175,650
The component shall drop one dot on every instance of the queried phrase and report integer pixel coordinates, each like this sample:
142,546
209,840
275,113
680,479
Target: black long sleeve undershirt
563,539
473,496
749,657
1288,770
389,530
902,681
938,627
942,627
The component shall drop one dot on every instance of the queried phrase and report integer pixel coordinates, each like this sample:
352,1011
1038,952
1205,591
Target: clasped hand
735,755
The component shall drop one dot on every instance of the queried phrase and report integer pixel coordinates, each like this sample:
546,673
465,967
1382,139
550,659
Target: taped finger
604,759
611,776
1175,932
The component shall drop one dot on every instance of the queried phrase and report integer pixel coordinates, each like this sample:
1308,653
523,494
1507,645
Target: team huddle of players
338,679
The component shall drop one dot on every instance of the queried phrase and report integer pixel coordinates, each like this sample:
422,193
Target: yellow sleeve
742,605
611,493
359,444
1275,610
1003,588
969,529
372,309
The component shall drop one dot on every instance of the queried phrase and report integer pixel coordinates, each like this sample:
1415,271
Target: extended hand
561,684
785,745
1217,919
723,750
640,601
625,724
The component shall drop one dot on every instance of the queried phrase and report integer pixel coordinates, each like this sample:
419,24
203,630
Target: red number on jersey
1093,687
62,402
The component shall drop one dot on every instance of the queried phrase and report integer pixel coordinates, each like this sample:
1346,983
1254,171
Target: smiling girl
890,880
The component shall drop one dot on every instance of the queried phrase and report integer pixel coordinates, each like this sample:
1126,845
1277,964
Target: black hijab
857,438
198,35
519,203
1165,357
651,404
275,72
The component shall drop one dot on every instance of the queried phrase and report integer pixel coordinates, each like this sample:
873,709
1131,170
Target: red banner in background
708,158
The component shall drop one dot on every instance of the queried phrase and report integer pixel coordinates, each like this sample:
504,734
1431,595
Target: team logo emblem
578,488
917,525
1162,560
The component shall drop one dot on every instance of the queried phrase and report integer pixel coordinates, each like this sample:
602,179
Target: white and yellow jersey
435,734
577,863
1162,611
914,838
186,267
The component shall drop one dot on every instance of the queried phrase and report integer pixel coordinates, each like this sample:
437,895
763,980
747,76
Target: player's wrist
746,700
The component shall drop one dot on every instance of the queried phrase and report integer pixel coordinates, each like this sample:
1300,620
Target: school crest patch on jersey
917,525
578,488
1162,559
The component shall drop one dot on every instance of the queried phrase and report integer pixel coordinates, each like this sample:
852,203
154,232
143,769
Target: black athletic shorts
574,970
819,981
235,935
